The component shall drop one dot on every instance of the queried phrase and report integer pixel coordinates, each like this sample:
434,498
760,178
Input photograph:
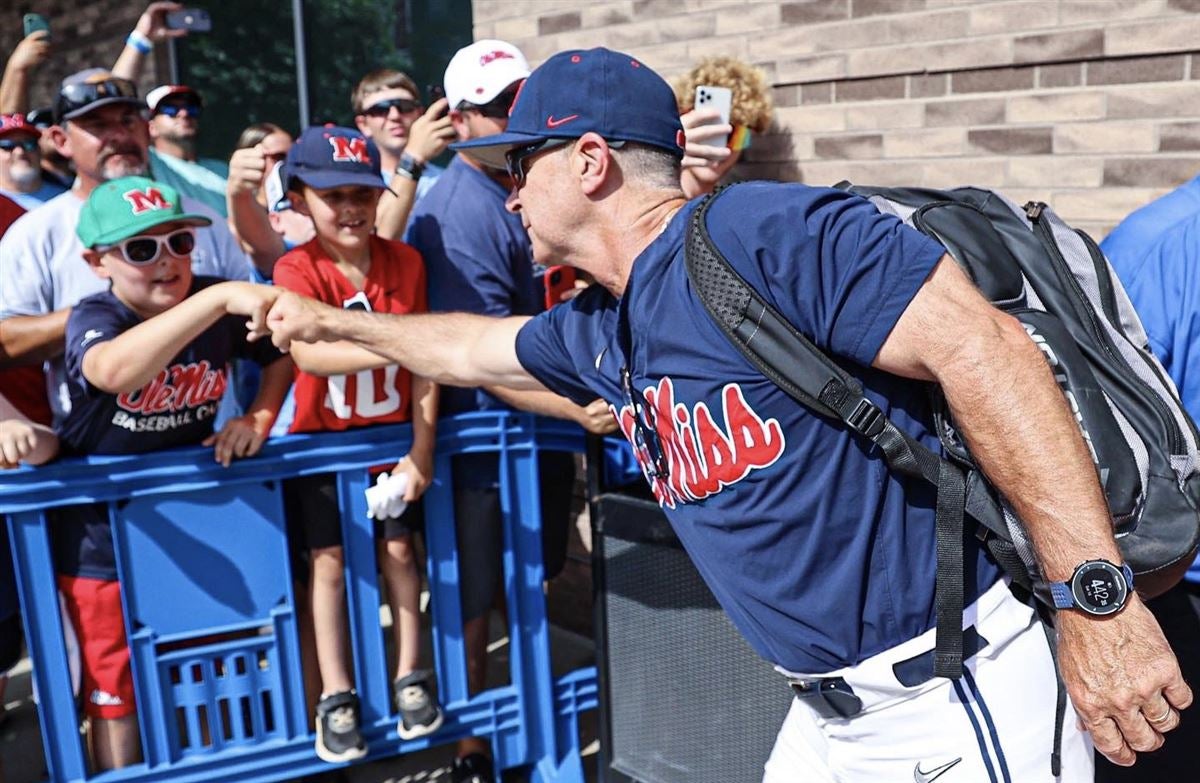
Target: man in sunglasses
823,559
477,259
20,163
388,111
100,124
175,111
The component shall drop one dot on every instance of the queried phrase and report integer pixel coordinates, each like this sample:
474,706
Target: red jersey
24,387
395,283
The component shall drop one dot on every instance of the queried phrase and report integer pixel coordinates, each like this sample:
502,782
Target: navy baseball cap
329,156
574,92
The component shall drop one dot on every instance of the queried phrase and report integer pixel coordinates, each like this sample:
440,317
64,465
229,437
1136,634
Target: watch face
1099,588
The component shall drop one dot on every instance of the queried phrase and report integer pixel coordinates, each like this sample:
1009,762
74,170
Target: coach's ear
592,161
96,262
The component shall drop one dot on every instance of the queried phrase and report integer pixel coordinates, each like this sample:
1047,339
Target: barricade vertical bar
445,608
36,587
362,597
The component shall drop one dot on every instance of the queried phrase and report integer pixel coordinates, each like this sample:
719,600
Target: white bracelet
139,42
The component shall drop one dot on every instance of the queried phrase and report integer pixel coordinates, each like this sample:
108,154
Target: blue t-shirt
477,257
176,408
1142,227
1160,269
33,200
820,555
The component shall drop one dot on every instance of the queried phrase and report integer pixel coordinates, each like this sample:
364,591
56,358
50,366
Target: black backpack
1055,280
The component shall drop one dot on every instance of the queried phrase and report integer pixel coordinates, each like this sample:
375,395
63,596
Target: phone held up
194,20
35,22
558,280
719,98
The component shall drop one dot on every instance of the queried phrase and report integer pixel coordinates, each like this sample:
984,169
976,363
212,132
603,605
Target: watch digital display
1099,588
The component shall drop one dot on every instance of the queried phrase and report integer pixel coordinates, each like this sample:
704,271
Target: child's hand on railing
240,437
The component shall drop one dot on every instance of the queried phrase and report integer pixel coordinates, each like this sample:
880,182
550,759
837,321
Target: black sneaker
475,768
419,712
338,735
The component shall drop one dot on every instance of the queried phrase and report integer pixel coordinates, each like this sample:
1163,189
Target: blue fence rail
202,552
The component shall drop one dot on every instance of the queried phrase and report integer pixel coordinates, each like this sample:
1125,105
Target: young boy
147,363
332,175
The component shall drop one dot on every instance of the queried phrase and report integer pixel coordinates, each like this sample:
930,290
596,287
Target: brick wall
1087,104
86,33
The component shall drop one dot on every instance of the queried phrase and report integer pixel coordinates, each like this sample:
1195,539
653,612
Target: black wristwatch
409,167
1097,588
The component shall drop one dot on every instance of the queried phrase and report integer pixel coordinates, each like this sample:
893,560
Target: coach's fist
298,318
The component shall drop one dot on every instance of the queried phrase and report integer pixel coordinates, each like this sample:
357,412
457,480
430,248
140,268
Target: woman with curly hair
705,164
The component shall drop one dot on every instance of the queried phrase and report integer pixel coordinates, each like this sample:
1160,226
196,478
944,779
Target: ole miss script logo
703,456
349,150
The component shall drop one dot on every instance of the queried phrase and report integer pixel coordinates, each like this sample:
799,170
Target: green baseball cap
126,207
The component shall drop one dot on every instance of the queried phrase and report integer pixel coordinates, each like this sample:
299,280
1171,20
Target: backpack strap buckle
866,419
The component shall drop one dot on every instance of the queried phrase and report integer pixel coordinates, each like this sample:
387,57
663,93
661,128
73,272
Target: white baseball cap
479,72
155,96
277,199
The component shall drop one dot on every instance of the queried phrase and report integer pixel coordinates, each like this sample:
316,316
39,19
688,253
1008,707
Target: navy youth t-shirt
176,408
821,557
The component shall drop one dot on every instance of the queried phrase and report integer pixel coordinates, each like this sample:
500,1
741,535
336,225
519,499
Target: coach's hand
297,318
597,418
1123,679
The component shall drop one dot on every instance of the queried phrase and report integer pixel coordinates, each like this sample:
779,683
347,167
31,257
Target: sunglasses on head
173,109
145,250
381,109
8,145
497,108
81,94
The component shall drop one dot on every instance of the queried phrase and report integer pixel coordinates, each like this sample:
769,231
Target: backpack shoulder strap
808,375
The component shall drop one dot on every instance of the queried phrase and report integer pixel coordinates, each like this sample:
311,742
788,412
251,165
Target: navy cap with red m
599,90
330,156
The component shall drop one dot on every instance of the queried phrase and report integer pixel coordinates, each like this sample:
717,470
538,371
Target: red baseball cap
16,123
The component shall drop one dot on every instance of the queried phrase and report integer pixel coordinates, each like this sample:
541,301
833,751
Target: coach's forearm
456,349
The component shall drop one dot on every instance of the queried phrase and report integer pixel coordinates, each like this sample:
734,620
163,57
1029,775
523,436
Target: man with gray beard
100,124
20,163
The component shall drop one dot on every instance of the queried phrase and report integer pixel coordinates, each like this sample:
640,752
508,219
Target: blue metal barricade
210,611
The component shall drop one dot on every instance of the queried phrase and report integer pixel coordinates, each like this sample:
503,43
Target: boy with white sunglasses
147,363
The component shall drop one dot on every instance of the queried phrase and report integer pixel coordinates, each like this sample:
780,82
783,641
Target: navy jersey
820,555
477,259
176,408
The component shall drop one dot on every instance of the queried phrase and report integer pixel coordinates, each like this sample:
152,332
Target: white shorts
994,725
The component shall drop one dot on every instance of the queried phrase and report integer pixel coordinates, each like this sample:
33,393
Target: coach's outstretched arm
457,349
1118,669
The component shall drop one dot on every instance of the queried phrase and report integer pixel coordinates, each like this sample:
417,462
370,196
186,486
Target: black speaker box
684,698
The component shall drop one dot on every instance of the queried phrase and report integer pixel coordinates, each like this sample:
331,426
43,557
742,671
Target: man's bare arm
30,339
595,417
455,349
31,52
1016,421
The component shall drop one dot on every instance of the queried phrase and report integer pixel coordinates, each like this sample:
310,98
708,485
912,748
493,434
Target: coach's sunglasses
145,250
645,432
381,109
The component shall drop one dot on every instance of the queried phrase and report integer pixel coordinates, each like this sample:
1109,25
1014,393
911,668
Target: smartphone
435,92
195,20
35,22
558,280
719,98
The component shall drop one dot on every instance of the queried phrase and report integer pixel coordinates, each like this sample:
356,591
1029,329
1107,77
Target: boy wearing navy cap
332,176
147,363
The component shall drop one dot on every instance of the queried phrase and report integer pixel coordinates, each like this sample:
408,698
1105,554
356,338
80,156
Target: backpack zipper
1175,440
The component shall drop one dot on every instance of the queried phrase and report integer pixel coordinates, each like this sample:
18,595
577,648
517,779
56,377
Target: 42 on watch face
1099,587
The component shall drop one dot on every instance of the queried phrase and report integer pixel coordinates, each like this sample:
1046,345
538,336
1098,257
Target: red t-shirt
395,283
24,387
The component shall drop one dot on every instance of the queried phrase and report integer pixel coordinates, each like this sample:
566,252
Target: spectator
56,168
151,29
275,143
23,441
333,177
705,165
156,324
295,227
478,259
101,128
175,111
20,163
823,559
33,50
387,109
1155,252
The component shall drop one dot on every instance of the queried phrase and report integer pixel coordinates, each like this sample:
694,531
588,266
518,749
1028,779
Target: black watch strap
409,167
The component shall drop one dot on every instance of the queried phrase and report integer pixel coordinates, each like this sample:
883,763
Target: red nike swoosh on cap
553,123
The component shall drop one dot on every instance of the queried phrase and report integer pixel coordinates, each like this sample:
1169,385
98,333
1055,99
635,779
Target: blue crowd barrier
211,616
